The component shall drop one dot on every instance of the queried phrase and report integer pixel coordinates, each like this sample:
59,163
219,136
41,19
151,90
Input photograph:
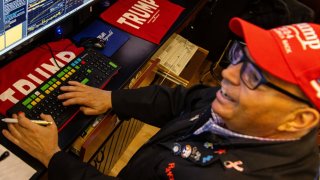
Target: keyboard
90,68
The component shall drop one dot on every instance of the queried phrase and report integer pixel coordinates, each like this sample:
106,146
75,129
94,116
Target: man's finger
11,138
14,131
76,83
74,86
24,122
71,88
77,100
69,95
49,118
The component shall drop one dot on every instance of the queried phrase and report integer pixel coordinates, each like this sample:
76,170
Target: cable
51,52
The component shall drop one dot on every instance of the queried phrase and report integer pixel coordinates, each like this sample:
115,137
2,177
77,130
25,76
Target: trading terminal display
1,28
14,21
22,19
42,12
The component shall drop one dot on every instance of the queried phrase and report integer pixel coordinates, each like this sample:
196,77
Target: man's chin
216,106
221,110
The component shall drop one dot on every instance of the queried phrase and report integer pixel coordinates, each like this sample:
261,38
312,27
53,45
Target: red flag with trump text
24,74
147,19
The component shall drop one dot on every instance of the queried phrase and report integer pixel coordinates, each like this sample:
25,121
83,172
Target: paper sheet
14,34
175,53
13,167
2,42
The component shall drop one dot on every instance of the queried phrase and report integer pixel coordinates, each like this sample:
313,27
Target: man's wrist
48,158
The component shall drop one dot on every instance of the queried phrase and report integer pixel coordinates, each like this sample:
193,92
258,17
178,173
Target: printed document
175,53
12,167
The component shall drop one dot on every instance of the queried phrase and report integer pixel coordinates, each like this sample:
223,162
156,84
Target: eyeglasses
250,74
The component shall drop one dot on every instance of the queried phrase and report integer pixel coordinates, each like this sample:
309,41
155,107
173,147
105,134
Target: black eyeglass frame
246,60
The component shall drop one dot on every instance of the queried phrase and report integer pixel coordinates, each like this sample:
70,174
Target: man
261,124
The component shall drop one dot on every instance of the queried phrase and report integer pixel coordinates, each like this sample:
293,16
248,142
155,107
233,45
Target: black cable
51,52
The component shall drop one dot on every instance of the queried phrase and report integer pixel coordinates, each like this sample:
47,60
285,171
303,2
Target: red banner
147,19
24,74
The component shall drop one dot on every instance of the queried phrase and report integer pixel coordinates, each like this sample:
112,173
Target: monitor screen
21,20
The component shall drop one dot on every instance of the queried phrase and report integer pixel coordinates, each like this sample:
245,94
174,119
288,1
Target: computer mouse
92,42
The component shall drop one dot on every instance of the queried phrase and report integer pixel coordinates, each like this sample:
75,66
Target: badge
208,145
220,151
195,154
236,165
206,158
176,149
186,151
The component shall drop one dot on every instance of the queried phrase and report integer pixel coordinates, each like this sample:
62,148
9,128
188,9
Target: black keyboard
90,68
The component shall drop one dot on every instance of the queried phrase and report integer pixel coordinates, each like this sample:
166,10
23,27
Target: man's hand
92,101
41,142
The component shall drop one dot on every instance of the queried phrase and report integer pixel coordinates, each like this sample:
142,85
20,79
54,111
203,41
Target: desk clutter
174,55
179,60
114,38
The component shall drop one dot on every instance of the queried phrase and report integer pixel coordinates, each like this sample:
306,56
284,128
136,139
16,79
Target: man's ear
300,120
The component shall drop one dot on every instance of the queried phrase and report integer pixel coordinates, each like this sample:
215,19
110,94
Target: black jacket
179,112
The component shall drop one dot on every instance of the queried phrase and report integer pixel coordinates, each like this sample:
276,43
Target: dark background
210,28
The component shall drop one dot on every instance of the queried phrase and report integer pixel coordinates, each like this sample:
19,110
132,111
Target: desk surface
131,57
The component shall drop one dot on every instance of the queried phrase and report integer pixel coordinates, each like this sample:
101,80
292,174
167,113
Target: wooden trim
94,140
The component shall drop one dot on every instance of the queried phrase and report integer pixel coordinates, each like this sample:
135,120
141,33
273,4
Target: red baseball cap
291,53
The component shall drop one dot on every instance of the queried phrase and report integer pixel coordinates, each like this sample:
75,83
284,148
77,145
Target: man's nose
232,73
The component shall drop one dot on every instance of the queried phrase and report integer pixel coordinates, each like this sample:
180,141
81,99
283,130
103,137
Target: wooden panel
146,132
97,137
115,146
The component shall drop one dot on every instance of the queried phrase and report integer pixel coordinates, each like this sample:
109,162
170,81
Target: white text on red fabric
29,83
139,13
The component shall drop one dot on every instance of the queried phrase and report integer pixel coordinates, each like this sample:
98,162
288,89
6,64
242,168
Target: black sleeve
156,105
152,104
64,166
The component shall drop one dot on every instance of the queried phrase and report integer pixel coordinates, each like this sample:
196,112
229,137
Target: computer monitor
22,21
